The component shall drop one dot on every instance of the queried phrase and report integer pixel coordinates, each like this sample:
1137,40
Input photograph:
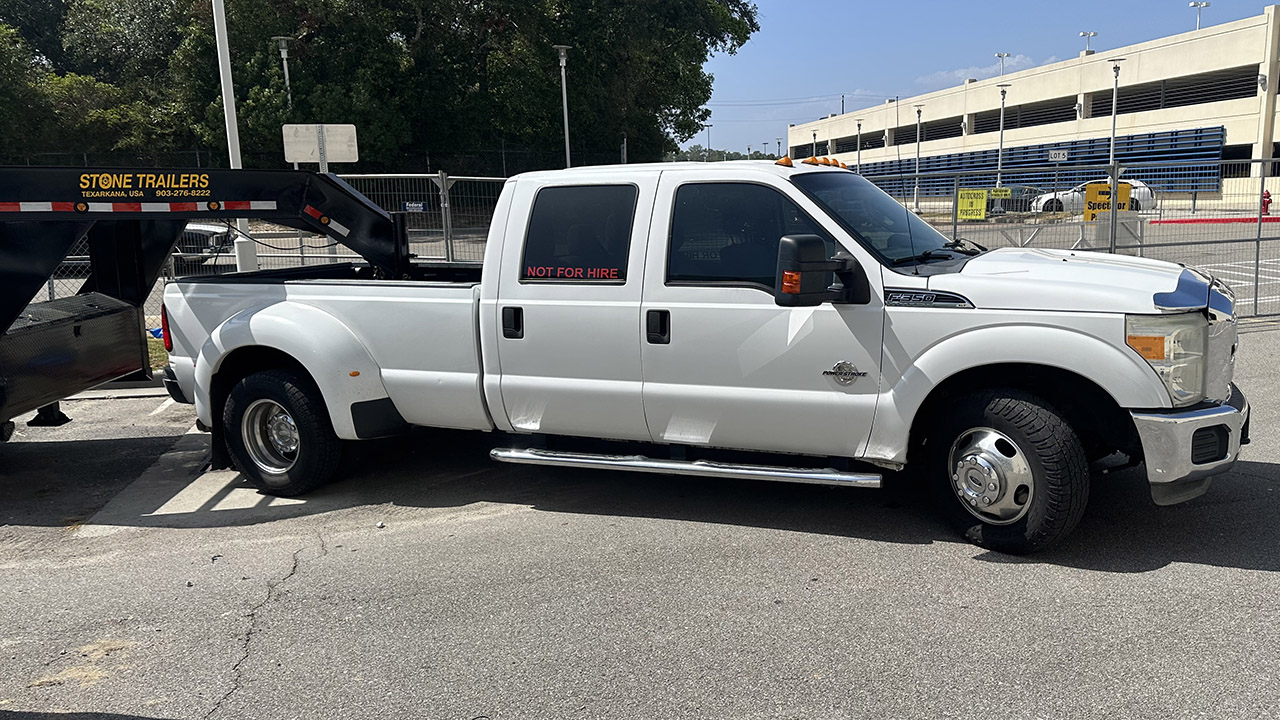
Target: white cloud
947,78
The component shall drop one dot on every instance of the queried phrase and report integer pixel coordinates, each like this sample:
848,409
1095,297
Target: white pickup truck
746,319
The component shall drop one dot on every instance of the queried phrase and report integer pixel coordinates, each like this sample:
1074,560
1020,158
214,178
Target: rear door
568,310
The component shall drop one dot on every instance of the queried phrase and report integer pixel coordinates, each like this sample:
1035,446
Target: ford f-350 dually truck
750,320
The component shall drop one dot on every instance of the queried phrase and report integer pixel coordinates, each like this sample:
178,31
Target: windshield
876,220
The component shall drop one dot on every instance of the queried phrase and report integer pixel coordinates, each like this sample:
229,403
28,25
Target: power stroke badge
844,373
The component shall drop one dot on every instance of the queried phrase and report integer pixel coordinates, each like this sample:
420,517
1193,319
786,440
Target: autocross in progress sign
972,205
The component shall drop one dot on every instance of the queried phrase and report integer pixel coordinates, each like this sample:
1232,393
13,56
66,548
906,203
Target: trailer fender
335,358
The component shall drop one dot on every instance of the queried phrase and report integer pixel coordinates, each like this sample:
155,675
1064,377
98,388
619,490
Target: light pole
1198,6
564,99
857,162
1087,35
779,141
708,129
283,42
916,195
764,147
1115,104
1114,170
814,152
246,251
1004,88
1002,56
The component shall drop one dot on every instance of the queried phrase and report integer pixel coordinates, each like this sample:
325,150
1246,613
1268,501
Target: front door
568,310
735,369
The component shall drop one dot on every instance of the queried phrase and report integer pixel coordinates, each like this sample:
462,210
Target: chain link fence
1216,216
1213,215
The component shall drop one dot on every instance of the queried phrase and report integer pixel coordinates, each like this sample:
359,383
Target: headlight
1174,346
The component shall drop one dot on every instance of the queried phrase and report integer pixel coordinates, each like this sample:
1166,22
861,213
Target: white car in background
1141,197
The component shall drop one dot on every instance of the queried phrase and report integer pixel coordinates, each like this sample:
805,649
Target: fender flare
336,359
1124,376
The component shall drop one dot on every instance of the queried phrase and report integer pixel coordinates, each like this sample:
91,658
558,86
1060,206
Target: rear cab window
579,234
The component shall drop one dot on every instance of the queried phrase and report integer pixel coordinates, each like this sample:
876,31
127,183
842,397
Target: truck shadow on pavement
1237,524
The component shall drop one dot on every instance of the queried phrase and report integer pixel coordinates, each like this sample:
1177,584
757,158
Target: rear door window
579,234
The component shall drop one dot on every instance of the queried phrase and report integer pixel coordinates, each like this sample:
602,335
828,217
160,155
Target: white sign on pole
1057,156
320,144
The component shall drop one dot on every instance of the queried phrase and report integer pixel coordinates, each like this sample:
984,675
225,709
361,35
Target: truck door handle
513,322
658,327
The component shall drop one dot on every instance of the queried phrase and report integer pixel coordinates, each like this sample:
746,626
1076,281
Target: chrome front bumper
1167,440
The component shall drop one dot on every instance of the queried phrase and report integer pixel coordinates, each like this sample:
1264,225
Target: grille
1209,444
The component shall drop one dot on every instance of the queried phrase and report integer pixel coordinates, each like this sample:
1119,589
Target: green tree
415,76
25,113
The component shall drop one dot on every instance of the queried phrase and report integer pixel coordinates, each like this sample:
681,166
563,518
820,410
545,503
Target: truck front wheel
279,434
1009,471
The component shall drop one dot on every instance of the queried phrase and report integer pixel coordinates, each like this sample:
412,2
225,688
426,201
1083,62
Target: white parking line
163,406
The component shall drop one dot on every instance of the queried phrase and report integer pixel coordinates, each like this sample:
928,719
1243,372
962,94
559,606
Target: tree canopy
455,79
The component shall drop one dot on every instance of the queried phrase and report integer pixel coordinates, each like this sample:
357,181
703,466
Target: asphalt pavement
431,583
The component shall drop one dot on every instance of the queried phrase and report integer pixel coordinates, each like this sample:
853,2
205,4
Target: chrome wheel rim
271,437
990,476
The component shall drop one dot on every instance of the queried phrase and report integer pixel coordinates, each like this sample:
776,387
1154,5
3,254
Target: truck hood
1076,281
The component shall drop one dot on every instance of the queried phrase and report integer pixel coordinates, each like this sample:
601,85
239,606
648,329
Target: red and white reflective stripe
249,205
341,229
147,207
37,207
337,227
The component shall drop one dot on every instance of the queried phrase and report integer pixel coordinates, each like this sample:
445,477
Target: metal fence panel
1213,215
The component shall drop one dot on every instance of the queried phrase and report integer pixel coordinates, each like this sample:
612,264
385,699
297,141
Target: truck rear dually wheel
278,433
1009,471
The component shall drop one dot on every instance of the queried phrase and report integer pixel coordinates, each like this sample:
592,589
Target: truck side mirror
802,274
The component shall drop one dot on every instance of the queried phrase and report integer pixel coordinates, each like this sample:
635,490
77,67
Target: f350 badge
844,373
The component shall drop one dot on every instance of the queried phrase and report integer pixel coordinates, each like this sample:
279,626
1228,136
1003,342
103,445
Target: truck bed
420,333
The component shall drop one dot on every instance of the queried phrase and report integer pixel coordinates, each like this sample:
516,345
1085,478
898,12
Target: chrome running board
703,468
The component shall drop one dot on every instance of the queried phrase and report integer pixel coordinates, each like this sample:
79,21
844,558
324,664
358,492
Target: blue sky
809,51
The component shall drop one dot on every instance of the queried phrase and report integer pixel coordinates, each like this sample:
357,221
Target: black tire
1056,482
1053,206
1134,205
317,450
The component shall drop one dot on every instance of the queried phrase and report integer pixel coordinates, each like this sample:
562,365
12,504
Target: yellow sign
1097,199
1000,193
143,185
972,205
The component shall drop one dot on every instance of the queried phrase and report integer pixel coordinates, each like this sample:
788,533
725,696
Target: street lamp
779,141
857,163
707,127
815,144
916,195
564,98
246,251
1004,88
283,42
1002,56
1087,35
1198,6
1114,170
1115,104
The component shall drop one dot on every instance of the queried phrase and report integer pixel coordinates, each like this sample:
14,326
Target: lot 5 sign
1097,199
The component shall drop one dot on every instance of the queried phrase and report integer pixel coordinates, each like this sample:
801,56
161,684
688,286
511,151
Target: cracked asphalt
431,583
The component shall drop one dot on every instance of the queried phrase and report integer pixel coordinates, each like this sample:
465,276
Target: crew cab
757,320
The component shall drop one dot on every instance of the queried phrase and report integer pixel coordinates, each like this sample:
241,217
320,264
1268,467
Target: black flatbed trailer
131,219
